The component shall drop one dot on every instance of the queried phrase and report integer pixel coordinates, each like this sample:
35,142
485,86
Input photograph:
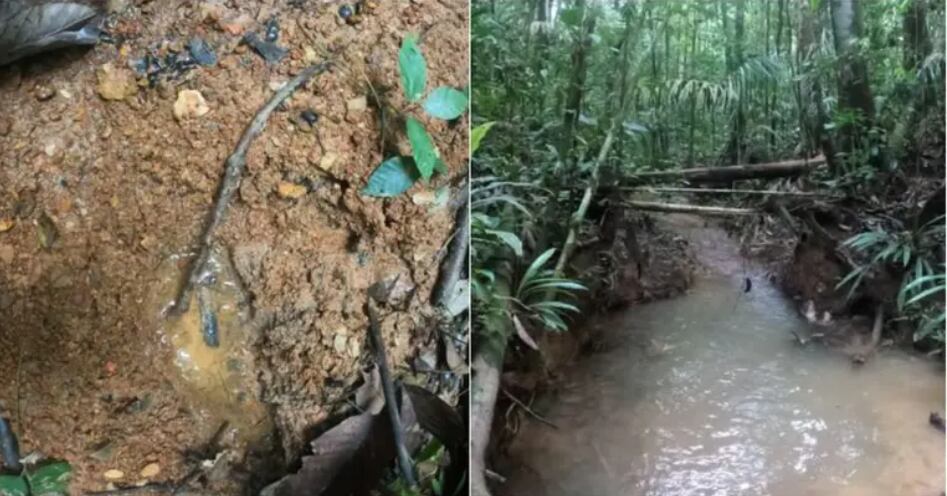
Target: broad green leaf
51,479
511,240
391,178
477,134
425,154
446,103
13,485
412,67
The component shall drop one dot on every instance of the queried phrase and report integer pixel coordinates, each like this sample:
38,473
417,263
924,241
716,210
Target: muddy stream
709,394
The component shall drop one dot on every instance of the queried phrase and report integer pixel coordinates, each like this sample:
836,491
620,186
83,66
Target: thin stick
528,410
404,458
233,171
653,189
690,209
456,258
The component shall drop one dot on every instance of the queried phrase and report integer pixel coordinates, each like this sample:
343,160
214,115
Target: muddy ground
100,200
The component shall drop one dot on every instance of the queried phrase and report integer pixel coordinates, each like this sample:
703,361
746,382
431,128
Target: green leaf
13,485
425,155
477,134
51,479
511,240
445,103
391,178
412,67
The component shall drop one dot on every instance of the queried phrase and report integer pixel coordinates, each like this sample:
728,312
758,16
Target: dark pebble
201,52
272,30
345,12
270,52
309,116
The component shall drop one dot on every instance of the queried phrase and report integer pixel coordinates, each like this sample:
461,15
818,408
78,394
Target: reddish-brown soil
83,362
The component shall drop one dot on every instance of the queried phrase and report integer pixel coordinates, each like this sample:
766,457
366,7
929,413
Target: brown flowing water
709,394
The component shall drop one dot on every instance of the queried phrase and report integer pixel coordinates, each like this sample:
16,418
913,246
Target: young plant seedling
396,174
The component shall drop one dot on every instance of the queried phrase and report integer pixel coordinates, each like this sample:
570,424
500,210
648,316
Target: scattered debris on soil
104,192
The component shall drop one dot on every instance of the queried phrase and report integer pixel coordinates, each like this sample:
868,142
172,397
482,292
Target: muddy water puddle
709,394
215,371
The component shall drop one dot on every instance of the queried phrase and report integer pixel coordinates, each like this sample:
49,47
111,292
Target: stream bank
709,393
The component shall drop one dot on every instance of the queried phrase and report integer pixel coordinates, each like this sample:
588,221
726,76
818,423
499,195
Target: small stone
190,104
43,92
115,83
424,197
150,470
309,116
235,25
6,125
357,104
309,55
7,253
276,85
292,191
114,474
340,343
211,11
6,224
328,161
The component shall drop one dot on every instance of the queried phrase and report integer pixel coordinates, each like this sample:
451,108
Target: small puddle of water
219,382
708,394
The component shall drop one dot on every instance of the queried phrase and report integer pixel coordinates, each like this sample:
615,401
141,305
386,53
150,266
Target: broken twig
529,410
456,258
233,171
387,386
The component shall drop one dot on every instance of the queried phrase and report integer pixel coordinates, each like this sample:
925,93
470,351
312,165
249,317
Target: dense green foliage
704,83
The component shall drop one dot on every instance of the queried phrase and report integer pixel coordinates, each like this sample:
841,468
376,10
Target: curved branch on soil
456,259
235,165
388,388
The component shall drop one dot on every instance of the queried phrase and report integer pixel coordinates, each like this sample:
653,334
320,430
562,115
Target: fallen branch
529,410
736,172
456,259
576,222
721,191
689,209
233,171
388,387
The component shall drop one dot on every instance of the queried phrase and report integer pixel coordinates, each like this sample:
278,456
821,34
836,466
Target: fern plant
908,251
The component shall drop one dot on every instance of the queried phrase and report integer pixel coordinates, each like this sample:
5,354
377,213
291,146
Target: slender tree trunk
576,89
853,84
917,45
736,146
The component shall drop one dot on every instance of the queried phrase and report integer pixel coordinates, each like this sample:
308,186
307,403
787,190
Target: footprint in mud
214,371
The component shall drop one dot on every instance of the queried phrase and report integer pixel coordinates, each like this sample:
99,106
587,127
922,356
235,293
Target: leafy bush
396,174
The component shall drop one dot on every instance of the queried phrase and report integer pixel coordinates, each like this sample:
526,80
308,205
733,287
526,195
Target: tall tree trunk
736,146
576,89
854,90
917,45
809,89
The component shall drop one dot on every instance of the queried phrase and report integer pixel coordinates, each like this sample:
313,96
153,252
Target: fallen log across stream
725,191
688,209
735,172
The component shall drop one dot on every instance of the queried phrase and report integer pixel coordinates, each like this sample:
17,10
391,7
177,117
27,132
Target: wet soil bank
631,260
102,201
709,393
